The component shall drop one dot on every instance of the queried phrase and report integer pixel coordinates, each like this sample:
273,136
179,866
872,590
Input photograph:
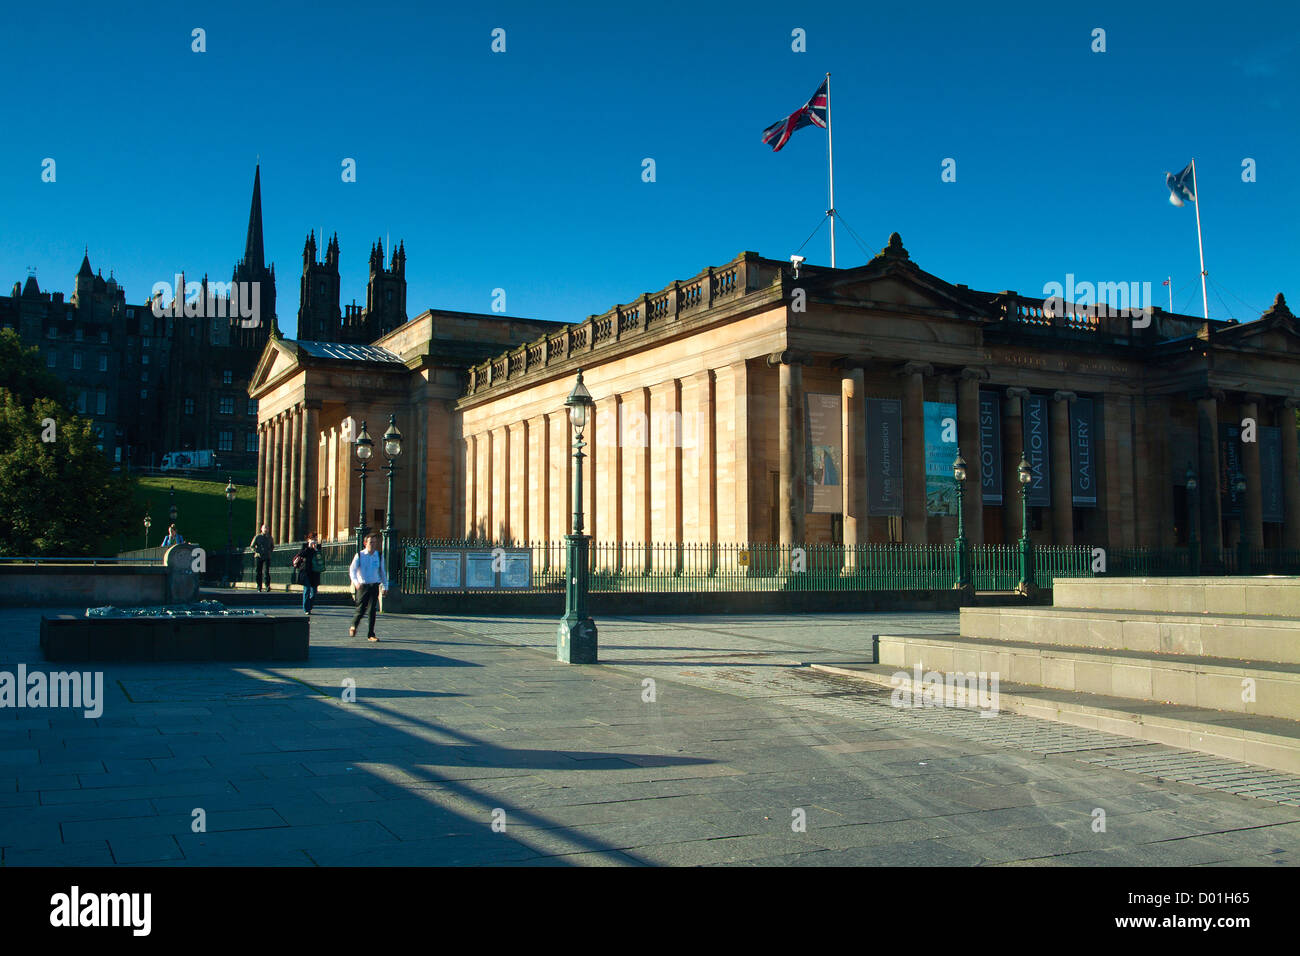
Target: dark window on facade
224,441
227,405
189,406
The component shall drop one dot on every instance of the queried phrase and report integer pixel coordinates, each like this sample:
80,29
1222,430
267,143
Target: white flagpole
830,159
1170,283
1196,188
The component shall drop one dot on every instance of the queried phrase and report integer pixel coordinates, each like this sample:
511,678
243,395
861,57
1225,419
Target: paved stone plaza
458,723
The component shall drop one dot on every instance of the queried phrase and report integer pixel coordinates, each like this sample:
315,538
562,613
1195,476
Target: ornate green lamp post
148,523
230,533
963,549
392,448
1243,539
575,639
1027,586
171,496
1193,545
365,448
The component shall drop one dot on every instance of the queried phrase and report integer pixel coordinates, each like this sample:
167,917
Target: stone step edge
1281,669
1135,614
1270,750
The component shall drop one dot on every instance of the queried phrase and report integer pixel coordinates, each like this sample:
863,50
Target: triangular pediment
279,357
905,287
1276,332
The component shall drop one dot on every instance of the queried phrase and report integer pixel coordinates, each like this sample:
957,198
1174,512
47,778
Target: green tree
22,373
59,494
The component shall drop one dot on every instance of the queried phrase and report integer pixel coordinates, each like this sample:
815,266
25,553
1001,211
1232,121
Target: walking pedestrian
369,577
263,546
309,564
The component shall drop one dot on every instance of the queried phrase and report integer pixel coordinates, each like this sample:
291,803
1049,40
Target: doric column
1210,530
914,374
1290,475
791,448
665,440
277,478
1062,477
968,435
309,493
295,478
699,498
286,480
260,513
1013,446
471,487
914,491
854,442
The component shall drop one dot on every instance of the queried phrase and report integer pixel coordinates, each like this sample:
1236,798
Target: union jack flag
812,113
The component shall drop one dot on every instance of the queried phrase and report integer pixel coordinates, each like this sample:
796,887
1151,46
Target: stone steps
1264,741
1183,679
1249,596
1235,636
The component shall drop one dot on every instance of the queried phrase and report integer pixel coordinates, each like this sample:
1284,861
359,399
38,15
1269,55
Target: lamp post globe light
575,640
230,536
148,523
1243,539
1027,587
365,448
171,496
963,551
392,448
1193,545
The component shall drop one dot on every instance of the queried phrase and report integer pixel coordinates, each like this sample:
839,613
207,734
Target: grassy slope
200,511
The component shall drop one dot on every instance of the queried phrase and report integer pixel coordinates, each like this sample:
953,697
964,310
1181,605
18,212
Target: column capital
1252,398
1017,392
786,357
1291,403
1064,396
977,373
916,368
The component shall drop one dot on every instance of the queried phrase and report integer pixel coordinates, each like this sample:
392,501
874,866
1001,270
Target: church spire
254,251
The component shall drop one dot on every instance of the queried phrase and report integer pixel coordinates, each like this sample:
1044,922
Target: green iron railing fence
674,567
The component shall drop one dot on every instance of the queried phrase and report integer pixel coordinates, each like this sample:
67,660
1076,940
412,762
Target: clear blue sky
522,170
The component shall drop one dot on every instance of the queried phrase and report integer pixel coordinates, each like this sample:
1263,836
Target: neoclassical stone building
752,404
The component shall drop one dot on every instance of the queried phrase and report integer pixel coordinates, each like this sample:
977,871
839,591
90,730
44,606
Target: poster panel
823,453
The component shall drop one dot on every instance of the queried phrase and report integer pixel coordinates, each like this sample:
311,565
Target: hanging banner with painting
824,453
1037,452
885,457
1270,472
990,447
1229,469
1083,466
940,451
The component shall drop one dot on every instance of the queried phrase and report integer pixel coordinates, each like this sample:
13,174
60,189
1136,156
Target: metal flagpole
830,158
1196,188
1170,283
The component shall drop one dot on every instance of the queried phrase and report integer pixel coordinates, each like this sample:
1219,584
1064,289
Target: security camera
796,261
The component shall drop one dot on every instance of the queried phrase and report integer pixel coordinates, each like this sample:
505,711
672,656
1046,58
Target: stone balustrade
648,314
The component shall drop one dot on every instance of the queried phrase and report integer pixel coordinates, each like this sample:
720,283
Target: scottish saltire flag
812,113
1181,186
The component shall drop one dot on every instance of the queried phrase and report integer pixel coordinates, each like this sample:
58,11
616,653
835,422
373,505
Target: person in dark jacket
308,564
263,546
